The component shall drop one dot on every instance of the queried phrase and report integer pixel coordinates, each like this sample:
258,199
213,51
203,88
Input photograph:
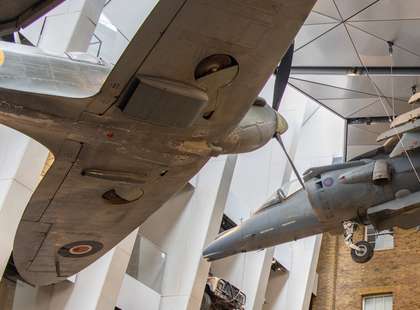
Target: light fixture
353,72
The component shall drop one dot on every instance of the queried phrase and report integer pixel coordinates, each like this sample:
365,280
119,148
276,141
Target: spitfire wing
91,199
20,13
179,34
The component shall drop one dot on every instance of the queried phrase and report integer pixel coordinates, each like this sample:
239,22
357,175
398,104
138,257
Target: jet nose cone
211,251
226,244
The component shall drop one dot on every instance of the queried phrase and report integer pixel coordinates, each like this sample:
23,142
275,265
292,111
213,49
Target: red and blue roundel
328,182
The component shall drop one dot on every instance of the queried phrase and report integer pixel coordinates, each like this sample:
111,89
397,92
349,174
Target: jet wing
413,126
98,191
20,13
402,212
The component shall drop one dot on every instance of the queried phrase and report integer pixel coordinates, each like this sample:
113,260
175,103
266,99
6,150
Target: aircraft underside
120,154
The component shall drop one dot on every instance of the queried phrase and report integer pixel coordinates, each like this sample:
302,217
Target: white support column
213,228
95,288
257,176
147,271
260,285
249,272
21,163
293,290
250,188
67,28
182,230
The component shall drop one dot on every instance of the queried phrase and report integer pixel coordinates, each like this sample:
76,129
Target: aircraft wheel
365,253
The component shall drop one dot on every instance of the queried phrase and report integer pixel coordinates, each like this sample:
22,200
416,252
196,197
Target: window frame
380,233
383,295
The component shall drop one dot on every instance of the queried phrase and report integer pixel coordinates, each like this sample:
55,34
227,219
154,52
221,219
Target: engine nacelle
381,172
258,126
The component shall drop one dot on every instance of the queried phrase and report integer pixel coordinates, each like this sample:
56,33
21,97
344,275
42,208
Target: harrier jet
381,188
184,90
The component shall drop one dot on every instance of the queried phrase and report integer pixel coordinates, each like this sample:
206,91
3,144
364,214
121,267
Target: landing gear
364,254
361,251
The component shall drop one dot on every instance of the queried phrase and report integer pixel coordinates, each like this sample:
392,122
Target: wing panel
255,33
78,212
51,183
137,51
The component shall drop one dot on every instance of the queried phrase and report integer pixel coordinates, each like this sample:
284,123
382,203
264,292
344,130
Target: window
147,263
382,240
380,302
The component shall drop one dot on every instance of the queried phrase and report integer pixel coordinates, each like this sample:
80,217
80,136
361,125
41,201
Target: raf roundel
328,182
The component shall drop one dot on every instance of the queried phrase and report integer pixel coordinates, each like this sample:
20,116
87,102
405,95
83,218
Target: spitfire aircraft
126,139
381,188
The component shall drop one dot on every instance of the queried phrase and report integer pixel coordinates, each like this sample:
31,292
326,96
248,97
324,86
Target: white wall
320,139
182,227
134,295
66,28
297,283
21,163
314,137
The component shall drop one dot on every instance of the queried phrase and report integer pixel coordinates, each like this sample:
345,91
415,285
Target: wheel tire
206,302
364,255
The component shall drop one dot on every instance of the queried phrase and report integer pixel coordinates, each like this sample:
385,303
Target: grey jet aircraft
126,139
381,188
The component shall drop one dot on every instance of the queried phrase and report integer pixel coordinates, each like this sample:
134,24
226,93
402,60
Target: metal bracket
349,229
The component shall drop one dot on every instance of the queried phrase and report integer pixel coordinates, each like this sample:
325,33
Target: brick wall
343,283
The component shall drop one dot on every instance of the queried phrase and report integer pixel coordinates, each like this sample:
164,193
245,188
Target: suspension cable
391,54
378,93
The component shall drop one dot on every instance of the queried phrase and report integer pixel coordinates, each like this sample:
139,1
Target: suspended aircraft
380,188
125,139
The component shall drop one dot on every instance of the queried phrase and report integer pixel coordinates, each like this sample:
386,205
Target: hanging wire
391,54
393,113
378,93
290,160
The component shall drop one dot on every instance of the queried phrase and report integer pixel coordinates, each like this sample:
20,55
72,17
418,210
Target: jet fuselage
332,195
